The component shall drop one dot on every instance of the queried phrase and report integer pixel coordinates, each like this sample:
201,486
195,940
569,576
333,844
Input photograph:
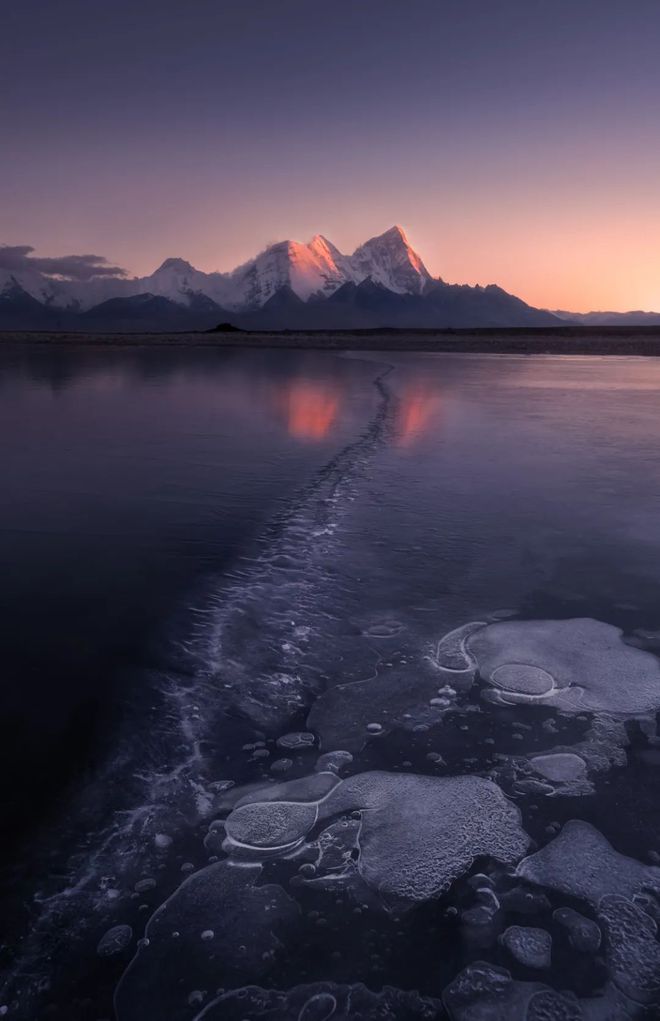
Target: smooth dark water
195,545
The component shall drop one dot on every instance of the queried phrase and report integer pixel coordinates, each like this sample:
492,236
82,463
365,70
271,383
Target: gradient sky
517,141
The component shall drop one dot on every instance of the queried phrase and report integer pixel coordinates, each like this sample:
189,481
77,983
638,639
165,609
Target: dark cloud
18,258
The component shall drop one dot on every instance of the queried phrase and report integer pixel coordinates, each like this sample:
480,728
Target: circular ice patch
522,678
270,824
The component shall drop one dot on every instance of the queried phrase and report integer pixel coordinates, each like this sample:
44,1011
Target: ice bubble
485,992
247,920
143,885
334,761
549,1005
529,946
296,740
114,940
581,863
574,664
215,837
374,728
524,902
584,934
281,765
562,767
218,786
479,926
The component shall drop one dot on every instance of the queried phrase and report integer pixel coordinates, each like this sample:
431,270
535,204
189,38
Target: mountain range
289,285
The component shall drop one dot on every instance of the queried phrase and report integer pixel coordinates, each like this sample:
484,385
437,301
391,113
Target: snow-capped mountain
35,284
389,260
315,268
319,268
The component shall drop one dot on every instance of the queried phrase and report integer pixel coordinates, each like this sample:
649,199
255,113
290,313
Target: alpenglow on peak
313,268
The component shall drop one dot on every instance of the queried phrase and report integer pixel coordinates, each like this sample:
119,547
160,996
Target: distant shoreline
569,340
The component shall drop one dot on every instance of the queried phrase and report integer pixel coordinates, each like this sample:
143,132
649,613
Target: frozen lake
325,673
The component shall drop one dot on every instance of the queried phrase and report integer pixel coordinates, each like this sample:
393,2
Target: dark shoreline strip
569,340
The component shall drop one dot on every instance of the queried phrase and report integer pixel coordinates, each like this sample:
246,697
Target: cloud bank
19,258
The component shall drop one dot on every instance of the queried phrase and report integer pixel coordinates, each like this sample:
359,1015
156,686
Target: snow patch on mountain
389,260
314,268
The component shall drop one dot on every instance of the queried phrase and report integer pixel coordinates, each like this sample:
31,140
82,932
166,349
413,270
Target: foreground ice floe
576,665
581,863
417,833
624,895
372,849
530,946
396,840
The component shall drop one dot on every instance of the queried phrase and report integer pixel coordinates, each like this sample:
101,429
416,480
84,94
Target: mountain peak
389,260
396,232
178,265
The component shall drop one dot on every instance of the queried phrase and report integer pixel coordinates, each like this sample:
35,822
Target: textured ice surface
631,948
485,992
522,678
114,940
574,664
417,833
334,761
581,863
321,1001
583,933
420,833
530,946
296,740
271,824
562,767
175,960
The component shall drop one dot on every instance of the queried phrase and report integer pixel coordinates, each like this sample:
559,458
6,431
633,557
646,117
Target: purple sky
517,141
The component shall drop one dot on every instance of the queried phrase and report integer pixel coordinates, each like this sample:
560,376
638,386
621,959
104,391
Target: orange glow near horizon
419,408
310,409
564,254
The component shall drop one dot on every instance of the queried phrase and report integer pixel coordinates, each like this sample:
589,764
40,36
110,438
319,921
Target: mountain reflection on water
369,579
